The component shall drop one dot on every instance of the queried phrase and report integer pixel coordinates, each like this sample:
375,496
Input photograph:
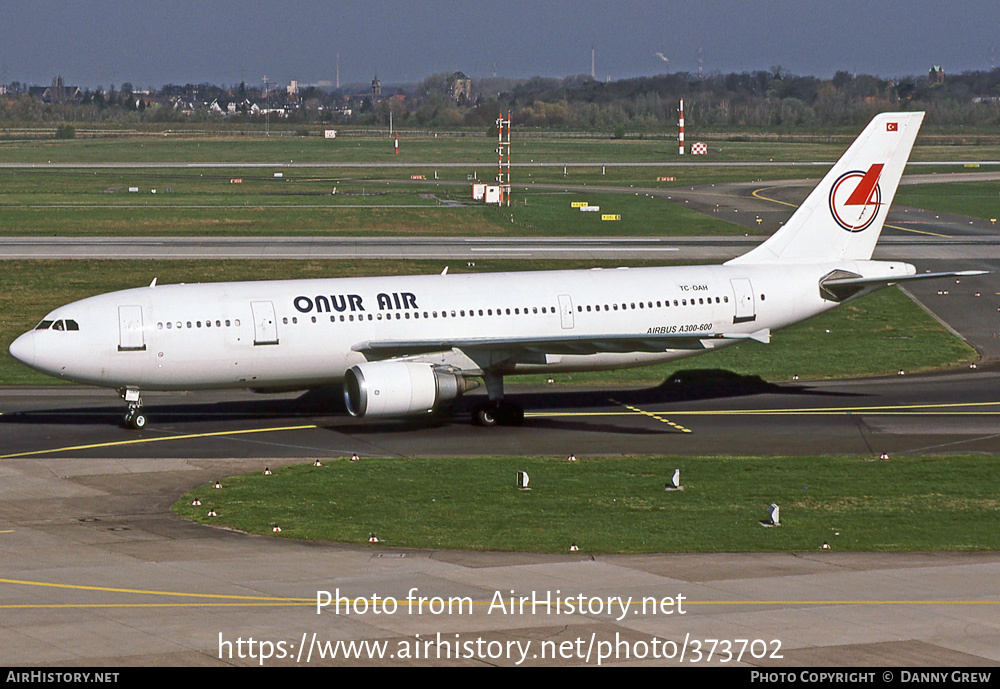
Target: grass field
252,146
619,504
879,334
205,202
974,199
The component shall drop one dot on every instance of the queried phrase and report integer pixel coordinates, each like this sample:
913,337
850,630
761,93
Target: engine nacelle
397,388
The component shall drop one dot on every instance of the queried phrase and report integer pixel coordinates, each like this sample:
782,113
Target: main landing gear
497,411
134,419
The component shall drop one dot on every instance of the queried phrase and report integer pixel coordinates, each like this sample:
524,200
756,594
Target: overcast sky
151,43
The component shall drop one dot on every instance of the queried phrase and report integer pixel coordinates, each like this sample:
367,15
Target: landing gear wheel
490,414
485,415
135,420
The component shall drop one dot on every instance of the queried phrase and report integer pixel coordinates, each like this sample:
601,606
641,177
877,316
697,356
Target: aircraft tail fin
843,216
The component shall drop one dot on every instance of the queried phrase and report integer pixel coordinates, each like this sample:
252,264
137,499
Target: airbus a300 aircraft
406,345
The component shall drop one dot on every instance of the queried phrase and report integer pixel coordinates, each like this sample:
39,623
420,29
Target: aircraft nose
23,348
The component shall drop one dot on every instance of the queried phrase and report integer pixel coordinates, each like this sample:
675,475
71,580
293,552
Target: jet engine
397,388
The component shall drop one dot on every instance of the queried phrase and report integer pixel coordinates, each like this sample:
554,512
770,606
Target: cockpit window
67,324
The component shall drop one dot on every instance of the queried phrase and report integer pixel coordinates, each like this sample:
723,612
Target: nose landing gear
134,419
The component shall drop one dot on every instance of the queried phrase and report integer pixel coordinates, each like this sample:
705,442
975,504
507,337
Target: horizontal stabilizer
841,288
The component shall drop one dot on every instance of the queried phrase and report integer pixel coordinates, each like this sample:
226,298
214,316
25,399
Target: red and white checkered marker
699,149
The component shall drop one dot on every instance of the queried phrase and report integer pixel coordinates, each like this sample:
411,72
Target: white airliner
406,345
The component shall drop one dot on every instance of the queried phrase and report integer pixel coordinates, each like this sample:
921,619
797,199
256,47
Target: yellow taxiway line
158,439
893,409
229,600
653,415
757,195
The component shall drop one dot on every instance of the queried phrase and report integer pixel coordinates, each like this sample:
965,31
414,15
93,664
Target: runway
97,571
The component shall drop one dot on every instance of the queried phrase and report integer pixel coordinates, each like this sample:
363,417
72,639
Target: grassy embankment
619,504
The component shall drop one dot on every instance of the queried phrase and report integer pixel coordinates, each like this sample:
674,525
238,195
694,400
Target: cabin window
168,325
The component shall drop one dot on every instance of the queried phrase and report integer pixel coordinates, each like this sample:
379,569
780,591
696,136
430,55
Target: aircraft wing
564,344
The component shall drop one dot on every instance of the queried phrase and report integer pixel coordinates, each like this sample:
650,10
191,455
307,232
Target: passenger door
265,326
130,335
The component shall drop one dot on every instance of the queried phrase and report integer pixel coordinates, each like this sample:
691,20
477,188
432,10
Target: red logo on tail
855,198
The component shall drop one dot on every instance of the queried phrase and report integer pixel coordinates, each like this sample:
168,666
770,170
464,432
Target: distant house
459,87
228,107
935,75
58,92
